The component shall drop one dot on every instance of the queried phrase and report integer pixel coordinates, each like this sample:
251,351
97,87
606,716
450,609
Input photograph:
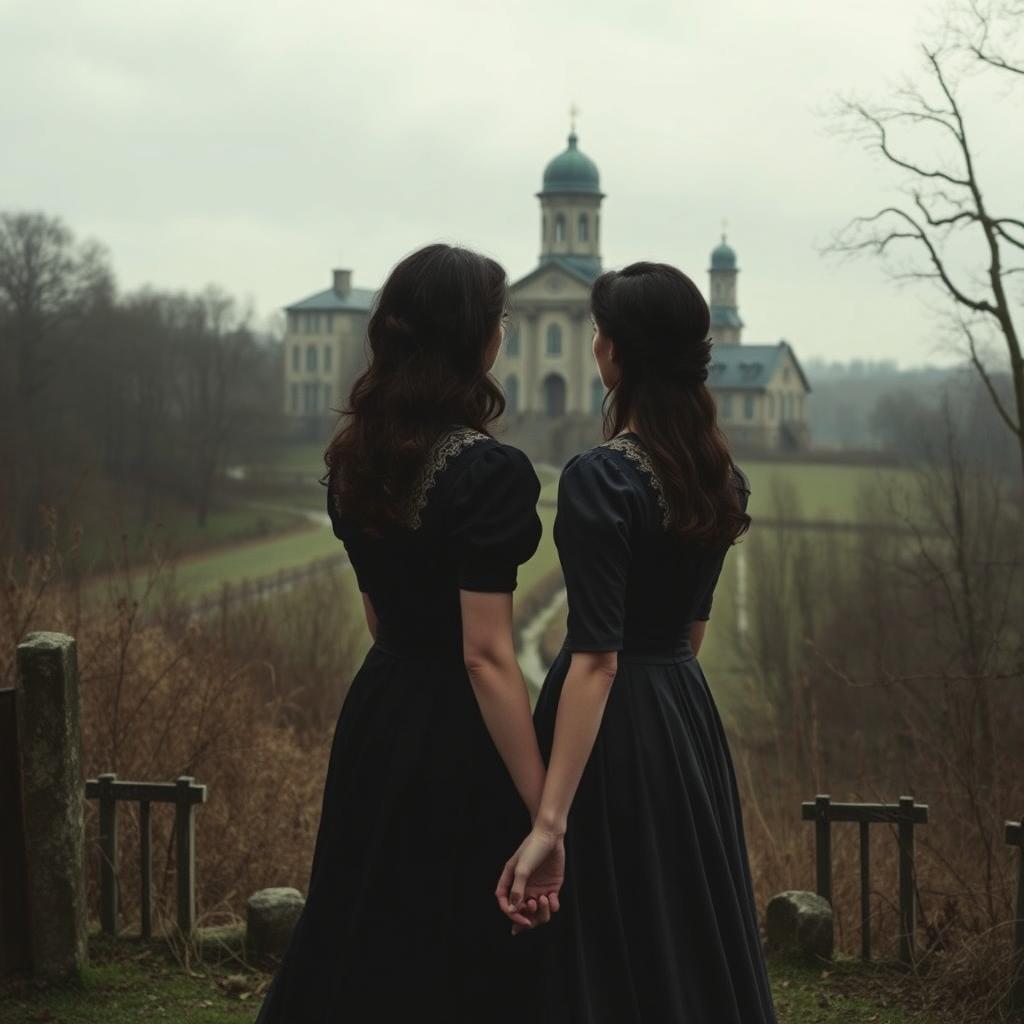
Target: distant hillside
844,397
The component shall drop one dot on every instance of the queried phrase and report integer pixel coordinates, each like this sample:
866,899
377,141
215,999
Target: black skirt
658,922
419,816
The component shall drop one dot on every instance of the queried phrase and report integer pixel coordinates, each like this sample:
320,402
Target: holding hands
528,889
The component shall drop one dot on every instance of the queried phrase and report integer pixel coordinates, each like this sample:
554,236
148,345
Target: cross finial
574,112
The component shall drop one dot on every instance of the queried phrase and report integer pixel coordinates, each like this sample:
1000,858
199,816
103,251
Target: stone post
54,795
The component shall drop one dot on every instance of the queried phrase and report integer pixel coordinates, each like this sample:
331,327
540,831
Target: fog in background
258,145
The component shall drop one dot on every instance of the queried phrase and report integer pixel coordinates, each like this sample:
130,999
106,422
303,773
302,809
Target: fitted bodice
470,521
632,585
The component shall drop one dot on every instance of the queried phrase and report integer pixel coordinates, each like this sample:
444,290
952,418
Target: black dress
658,923
419,812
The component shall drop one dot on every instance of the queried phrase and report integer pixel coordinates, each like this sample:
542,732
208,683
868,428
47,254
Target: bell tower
570,208
726,325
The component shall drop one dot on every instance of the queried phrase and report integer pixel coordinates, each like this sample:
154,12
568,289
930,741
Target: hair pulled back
658,322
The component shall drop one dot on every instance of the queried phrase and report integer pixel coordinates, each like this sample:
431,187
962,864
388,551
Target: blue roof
359,300
723,256
572,171
725,316
749,367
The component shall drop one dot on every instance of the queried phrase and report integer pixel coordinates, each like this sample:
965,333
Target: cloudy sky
258,144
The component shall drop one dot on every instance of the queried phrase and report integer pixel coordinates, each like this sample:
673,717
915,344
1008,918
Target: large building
545,365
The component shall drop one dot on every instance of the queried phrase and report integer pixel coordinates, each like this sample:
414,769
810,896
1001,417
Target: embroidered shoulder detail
636,454
444,449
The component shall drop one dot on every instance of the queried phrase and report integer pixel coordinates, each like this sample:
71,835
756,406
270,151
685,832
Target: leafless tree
216,351
51,288
945,203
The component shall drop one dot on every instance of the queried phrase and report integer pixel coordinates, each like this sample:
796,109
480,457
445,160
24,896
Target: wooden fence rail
1015,837
905,815
262,587
184,793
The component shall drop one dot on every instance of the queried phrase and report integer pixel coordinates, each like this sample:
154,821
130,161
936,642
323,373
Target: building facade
545,366
324,349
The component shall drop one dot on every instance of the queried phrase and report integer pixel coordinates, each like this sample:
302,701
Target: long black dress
419,812
658,923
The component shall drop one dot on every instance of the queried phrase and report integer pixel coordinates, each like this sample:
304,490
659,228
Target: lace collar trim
444,449
633,451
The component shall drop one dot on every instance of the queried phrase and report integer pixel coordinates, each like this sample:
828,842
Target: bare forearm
580,710
501,693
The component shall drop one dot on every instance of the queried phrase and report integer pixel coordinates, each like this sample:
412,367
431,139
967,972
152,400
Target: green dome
723,256
572,171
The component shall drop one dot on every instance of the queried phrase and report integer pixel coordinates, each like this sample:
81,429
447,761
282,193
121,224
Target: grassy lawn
824,491
110,526
128,982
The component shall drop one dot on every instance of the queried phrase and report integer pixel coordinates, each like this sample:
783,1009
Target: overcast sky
258,145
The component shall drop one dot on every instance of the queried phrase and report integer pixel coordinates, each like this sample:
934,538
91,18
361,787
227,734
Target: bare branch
987,381
878,123
918,233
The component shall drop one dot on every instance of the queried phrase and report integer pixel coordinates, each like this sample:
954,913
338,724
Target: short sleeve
346,531
597,505
704,611
495,527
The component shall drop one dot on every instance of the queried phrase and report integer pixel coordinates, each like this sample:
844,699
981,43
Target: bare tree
216,352
945,204
50,287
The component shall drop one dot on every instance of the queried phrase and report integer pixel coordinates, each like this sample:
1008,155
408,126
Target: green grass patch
844,992
831,492
129,981
133,982
112,527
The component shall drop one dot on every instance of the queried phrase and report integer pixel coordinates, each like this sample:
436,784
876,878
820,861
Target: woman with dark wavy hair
657,919
435,770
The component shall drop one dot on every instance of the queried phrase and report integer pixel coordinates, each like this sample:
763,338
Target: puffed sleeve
597,505
347,532
704,611
495,527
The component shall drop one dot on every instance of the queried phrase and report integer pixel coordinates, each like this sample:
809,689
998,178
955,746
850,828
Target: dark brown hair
429,330
658,322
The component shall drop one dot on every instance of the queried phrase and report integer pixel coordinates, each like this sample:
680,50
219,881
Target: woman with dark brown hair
434,769
657,919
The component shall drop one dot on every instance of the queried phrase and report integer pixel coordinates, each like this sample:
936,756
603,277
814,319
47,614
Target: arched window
512,342
554,340
512,394
596,396
311,358
748,406
544,228
560,228
583,228
296,358
328,353
554,395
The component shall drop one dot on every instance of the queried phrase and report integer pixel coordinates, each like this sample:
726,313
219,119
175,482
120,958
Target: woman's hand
527,891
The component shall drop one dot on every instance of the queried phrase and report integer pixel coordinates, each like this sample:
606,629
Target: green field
823,492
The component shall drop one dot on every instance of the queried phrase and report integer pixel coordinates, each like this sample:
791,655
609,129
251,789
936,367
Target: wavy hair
658,323
427,336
